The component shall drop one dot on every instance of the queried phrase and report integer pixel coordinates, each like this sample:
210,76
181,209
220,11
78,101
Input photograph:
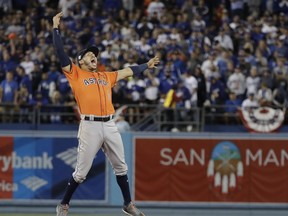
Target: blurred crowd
213,52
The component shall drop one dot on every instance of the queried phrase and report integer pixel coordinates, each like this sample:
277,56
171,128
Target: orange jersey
92,90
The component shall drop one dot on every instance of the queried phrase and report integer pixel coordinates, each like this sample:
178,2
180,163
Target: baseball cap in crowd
92,49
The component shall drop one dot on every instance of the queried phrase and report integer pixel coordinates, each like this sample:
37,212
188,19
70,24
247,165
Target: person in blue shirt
167,81
53,73
6,64
23,79
8,96
8,89
46,87
231,108
63,85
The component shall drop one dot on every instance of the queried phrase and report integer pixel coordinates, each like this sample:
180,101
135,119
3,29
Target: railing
140,117
157,118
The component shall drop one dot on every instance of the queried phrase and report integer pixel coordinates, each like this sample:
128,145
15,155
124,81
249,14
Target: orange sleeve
112,76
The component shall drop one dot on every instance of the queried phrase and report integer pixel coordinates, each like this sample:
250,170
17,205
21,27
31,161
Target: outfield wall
165,169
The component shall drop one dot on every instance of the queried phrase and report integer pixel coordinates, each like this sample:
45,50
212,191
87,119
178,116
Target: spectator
264,95
268,26
6,64
126,31
267,78
151,90
112,6
108,54
178,62
23,79
97,41
144,26
280,95
280,70
39,102
236,83
35,77
198,24
280,47
8,96
231,108
260,60
8,89
53,73
22,107
283,6
191,84
237,8
250,102
218,86
242,63
194,60
177,97
62,85
210,69
27,64
29,43
65,5
222,63
46,88
155,6
253,81
135,89
224,40
167,81
256,33
201,86
202,10
57,108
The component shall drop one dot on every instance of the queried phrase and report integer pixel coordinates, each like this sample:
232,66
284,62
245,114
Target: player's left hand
56,19
153,62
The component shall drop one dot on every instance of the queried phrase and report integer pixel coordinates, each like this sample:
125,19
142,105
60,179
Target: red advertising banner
6,172
203,170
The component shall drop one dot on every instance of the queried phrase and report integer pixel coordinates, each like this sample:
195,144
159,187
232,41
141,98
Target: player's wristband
139,68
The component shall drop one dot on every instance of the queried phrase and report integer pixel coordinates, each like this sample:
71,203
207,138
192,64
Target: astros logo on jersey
93,80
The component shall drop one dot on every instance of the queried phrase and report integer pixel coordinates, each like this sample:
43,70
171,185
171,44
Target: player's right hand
56,19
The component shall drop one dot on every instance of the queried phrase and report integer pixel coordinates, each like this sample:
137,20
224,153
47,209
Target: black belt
101,119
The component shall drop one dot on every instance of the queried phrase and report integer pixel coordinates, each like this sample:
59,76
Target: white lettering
7,186
271,158
200,159
180,157
6,162
284,157
168,158
26,162
249,155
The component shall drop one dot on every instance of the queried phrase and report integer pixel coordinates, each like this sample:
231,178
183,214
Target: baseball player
92,91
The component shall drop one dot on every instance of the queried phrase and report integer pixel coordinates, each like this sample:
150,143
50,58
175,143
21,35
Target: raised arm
63,57
126,72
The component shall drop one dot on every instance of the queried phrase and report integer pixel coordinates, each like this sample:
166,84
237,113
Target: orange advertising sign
203,170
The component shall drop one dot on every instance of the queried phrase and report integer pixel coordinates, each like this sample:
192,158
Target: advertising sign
211,170
39,168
